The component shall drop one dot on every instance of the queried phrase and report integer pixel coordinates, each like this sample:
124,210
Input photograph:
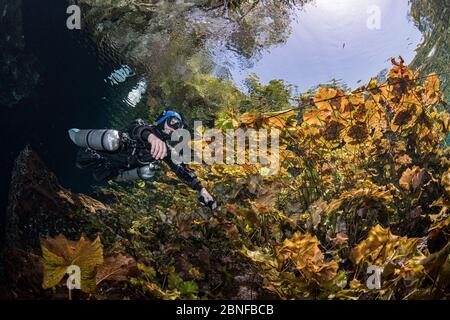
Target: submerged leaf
445,181
59,253
382,247
304,252
115,268
412,178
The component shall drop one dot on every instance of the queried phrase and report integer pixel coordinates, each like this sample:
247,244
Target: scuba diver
136,154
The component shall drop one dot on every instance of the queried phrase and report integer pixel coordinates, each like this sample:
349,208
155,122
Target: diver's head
169,121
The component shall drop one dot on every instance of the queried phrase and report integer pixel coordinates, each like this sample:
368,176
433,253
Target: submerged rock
39,206
24,276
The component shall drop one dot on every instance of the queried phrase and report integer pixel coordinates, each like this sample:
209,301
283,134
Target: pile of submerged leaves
363,185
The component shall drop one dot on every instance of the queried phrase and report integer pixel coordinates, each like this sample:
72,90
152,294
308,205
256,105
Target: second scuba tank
144,173
97,139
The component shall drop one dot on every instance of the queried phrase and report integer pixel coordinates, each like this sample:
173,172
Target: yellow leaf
445,181
60,253
406,117
432,90
141,184
303,250
260,257
382,246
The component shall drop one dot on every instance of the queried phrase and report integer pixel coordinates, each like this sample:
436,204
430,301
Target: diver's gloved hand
158,147
206,199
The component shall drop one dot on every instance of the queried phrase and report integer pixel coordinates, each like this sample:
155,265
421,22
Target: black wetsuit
133,153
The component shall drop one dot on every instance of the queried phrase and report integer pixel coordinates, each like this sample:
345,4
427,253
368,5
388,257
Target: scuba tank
146,172
112,154
97,139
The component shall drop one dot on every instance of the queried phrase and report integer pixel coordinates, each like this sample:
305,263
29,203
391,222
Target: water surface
335,39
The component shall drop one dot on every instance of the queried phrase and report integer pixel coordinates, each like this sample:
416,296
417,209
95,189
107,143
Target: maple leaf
405,117
381,247
432,90
59,253
412,179
303,250
356,133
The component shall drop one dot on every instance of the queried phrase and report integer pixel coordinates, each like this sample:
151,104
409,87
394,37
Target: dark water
72,92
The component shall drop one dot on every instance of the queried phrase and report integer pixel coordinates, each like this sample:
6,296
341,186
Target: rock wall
38,207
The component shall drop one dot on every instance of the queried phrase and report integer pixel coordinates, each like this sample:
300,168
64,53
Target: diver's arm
146,133
158,147
188,176
184,173
141,130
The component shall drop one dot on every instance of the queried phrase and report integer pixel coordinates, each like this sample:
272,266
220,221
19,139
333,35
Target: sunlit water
338,39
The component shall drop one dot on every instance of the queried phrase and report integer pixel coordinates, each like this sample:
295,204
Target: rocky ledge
39,206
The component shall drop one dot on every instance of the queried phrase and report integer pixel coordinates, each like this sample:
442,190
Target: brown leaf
413,178
340,239
268,199
432,90
357,133
403,159
231,230
253,182
316,210
115,268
